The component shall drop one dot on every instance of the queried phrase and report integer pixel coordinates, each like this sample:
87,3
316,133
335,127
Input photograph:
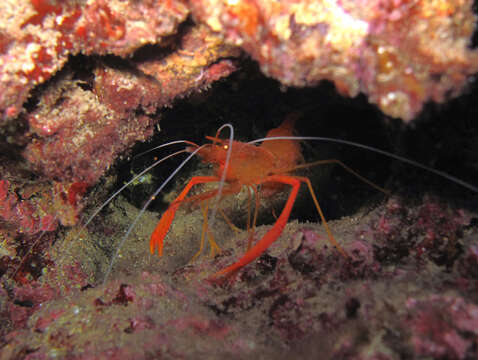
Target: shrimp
268,165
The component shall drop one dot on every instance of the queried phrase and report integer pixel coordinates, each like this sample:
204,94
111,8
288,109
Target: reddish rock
386,49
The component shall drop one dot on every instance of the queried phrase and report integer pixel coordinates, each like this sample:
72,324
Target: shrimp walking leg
229,221
279,225
215,249
252,230
276,229
332,240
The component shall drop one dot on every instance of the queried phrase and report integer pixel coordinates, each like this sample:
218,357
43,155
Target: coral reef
148,54
400,53
38,37
30,212
301,299
76,125
83,81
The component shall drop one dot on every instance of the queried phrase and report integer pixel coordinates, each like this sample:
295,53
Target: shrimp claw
166,220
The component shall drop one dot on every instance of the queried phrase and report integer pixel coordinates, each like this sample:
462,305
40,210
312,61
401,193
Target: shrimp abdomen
287,153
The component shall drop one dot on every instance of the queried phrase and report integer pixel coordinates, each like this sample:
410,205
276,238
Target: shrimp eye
225,147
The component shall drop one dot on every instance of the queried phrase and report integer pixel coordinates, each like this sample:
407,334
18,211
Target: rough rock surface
82,81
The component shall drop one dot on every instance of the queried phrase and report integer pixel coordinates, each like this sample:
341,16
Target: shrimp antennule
160,188
117,192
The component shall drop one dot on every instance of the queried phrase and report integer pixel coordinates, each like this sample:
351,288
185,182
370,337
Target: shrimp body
249,163
240,167
268,165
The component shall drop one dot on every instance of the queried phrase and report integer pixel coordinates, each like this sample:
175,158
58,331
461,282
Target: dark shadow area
443,137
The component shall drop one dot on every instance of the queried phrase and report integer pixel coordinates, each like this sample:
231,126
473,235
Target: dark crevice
253,104
474,37
167,46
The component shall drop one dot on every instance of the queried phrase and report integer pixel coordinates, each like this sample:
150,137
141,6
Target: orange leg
279,225
252,230
164,223
341,164
276,229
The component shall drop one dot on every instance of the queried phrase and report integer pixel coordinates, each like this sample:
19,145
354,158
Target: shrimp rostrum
269,165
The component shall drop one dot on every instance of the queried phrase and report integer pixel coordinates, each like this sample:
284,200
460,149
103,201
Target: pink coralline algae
21,214
72,126
134,320
37,36
27,300
24,301
29,216
84,134
430,230
400,53
443,327
41,206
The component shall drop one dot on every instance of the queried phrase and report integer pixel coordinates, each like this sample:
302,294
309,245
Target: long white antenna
152,197
382,152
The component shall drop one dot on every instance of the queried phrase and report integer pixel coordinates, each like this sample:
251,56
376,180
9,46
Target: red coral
73,27
4,185
247,14
101,25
